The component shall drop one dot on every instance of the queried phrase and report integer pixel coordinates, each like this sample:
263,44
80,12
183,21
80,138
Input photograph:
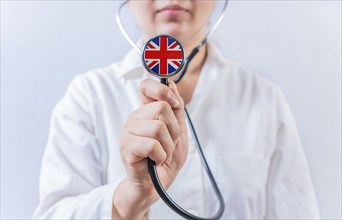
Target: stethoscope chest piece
163,56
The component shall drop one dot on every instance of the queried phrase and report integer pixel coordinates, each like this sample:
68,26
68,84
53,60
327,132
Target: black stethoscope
163,57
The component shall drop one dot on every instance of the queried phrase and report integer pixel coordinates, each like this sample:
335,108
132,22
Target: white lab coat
243,122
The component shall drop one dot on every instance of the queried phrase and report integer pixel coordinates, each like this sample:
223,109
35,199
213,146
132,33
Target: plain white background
44,44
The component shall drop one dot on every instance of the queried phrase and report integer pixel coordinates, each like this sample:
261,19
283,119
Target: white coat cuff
108,191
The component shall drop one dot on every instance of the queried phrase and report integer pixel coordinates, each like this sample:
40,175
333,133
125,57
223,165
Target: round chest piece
163,56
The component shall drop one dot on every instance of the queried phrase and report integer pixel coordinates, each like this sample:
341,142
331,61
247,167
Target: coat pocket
242,179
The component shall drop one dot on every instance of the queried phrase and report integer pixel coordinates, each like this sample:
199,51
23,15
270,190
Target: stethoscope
163,57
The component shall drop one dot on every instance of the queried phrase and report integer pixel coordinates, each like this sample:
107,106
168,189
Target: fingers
159,125
179,112
158,111
157,130
181,150
134,148
151,90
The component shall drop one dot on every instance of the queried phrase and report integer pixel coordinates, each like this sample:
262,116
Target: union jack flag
163,55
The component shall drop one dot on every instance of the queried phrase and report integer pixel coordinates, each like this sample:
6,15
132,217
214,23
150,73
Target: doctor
112,119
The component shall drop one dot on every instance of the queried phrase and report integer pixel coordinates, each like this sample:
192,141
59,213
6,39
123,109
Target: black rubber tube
166,198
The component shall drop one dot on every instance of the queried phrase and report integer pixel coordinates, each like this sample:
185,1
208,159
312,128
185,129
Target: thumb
179,110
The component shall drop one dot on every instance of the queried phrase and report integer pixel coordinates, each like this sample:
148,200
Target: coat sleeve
73,166
290,192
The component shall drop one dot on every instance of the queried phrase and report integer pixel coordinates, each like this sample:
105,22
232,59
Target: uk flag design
163,55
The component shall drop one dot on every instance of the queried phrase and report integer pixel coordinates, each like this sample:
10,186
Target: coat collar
131,66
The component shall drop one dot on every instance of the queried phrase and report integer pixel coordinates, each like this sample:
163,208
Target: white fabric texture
243,122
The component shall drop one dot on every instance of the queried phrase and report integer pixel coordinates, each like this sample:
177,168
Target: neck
188,83
197,62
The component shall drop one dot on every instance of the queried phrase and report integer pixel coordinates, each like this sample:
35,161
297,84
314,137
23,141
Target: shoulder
251,80
104,79
98,77
240,80
243,88
114,75
85,86
237,71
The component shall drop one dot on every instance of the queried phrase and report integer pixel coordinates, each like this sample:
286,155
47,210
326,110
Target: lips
172,8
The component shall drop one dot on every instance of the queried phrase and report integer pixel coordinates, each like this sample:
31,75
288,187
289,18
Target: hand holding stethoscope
156,130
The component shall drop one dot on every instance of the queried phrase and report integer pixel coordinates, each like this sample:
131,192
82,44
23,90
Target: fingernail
173,86
174,100
176,103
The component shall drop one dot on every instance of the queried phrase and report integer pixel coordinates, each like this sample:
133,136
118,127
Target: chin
174,31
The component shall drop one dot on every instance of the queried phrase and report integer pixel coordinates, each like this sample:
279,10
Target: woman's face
183,19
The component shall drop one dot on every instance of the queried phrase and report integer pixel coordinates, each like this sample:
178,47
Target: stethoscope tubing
167,199
151,164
